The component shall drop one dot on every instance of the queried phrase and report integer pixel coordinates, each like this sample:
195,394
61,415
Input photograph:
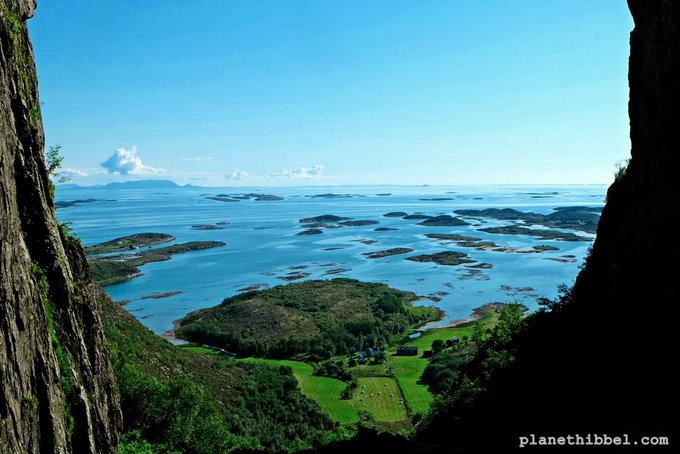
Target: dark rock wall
630,283
58,389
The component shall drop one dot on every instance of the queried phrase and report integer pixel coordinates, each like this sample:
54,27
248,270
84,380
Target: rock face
58,392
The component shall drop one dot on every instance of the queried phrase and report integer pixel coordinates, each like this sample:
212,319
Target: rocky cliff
58,390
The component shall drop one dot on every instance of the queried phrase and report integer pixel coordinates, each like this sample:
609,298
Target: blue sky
305,92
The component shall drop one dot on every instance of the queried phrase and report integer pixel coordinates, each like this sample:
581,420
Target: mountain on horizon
133,184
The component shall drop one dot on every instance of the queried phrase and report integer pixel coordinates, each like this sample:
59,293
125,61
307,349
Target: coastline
169,335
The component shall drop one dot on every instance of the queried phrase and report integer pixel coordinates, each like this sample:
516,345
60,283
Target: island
443,220
310,232
317,319
112,269
478,244
395,214
321,225
323,218
581,218
207,227
452,237
109,272
158,296
539,233
358,223
223,199
330,195
449,258
70,203
130,242
387,252
258,197
334,271
294,276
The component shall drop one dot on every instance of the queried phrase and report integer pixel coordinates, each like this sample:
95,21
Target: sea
264,249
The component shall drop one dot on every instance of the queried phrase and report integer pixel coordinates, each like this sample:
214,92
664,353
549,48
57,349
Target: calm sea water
262,244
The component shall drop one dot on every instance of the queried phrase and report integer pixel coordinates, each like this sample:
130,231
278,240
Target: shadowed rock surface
58,389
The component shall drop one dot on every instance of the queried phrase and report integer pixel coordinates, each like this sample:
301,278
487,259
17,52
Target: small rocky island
443,220
583,218
387,252
449,258
112,269
539,233
130,242
323,218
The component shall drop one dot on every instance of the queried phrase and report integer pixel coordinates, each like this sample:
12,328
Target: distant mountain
143,184
69,186
137,184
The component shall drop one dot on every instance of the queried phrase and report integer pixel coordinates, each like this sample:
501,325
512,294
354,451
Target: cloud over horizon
125,162
315,171
238,175
68,171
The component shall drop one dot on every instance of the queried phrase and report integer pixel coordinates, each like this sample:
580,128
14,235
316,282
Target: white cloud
238,175
315,171
125,162
72,172
197,158
202,178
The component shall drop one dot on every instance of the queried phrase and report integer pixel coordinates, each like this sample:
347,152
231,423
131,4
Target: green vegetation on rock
478,244
319,319
113,269
443,220
184,401
387,252
358,223
542,234
575,218
450,258
129,242
108,272
323,218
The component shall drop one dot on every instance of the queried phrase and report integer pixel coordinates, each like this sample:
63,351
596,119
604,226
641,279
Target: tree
437,345
53,160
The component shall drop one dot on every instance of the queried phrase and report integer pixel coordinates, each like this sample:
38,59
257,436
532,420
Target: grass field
379,397
325,391
387,392
408,369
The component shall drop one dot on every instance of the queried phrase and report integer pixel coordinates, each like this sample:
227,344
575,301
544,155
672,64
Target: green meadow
390,392
325,391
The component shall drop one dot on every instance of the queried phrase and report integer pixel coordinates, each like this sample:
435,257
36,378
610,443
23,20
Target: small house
407,351
452,341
